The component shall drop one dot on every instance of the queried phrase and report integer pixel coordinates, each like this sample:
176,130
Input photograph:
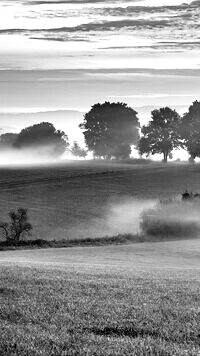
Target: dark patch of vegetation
173,219
77,151
110,129
18,227
43,136
40,243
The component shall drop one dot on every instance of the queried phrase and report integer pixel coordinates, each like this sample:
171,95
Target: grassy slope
140,299
65,200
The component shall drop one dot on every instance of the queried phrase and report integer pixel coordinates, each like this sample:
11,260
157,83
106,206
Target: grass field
140,299
74,200
137,299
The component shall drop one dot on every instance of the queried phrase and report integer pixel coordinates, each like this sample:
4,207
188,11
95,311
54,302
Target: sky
59,57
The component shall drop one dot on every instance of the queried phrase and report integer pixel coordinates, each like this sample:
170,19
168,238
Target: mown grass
93,311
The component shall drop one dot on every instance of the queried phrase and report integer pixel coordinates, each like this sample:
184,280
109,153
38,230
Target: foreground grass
98,311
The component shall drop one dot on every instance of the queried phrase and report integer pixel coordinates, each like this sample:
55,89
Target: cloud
151,96
47,2
94,26
179,25
195,3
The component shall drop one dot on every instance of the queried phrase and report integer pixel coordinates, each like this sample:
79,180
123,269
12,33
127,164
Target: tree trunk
192,158
165,156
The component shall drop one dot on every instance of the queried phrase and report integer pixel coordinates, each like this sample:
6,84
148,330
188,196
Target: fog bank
28,156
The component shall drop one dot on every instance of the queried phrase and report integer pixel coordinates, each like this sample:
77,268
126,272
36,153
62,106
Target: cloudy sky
58,57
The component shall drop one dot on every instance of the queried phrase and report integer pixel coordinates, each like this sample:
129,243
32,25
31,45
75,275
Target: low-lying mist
173,219
124,217
28,156
119,217
151,218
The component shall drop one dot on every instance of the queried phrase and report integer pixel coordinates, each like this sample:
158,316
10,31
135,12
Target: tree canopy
191,130
43,135
110,129
162,134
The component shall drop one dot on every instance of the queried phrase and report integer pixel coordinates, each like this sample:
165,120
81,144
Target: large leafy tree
43,135
162,134
110,129
191,130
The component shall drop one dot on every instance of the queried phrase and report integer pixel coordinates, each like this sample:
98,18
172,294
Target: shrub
18,225
171,219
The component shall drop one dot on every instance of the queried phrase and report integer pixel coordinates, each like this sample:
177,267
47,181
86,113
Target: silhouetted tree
191,130
162,134
17,226
77,151
7,140
110,129
43,135
83,153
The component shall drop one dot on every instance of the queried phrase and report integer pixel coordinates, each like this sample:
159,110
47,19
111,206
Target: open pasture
136,299
72,200
140,299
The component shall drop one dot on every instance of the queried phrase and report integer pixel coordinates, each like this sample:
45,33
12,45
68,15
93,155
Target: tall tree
43,135
110,129
191,130
162,134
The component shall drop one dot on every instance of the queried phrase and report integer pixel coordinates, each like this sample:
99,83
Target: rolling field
77,199
140,299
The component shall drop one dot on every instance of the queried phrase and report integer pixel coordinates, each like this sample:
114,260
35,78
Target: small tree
83,153
162,134
77,151
17,226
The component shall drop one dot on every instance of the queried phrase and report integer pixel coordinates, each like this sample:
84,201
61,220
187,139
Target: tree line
110,129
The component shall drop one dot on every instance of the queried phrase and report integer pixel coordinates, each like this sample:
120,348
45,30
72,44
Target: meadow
138,299
81,199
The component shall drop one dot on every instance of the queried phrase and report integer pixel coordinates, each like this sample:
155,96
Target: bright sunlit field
140,299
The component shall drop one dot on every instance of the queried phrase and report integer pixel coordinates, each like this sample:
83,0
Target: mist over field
28,156
169,219
99,237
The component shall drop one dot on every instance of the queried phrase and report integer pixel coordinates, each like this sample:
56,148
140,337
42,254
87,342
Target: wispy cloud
152,96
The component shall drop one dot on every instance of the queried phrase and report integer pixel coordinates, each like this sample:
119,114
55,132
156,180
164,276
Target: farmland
72,200
137,299
140,299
